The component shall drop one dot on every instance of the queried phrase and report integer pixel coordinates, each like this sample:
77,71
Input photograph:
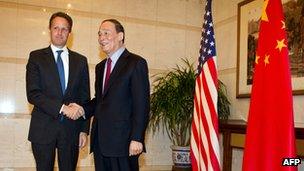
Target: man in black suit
55,77
121,104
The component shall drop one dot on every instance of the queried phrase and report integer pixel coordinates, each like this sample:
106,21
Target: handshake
73,111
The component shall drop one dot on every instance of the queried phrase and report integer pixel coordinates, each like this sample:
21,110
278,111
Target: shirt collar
54,49
115,56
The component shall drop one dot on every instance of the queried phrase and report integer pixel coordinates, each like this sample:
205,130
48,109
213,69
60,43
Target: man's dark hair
118,27
62,15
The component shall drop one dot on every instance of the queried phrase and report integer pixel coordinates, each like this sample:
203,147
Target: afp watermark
291,161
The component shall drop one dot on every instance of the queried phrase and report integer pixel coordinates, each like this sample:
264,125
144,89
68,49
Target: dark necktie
108,72
61,75
60,70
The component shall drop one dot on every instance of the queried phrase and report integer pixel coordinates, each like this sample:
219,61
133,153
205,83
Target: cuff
61,109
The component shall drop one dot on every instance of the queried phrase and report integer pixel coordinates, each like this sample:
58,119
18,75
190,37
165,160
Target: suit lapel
51,63
99,78
122,61
73,64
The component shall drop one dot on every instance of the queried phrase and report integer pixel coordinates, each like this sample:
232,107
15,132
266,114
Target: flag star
208,32
205,22
209,51
205,49
264,13
210,24
280,44
208,13
206,41
283,25
266,60
211,43
257,59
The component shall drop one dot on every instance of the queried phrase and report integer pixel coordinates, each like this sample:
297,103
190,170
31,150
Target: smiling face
108,38
60,31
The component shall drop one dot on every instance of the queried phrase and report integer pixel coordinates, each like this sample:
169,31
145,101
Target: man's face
108,38
59,31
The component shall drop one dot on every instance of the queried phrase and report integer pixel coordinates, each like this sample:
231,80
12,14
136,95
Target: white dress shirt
65,60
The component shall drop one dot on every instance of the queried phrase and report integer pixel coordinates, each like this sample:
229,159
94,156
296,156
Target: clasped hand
73,111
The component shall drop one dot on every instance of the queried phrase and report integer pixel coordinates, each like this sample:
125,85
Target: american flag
204,130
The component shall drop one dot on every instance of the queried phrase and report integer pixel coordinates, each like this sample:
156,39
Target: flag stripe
202,156
209,112
204,130
212,103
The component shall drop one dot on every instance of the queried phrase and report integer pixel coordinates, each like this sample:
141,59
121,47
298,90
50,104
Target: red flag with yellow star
270,129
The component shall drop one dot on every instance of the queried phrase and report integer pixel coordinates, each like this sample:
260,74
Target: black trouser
103,163
44,155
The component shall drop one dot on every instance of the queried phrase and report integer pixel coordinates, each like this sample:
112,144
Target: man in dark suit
121,104
55,77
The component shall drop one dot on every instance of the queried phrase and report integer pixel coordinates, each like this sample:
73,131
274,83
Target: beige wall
162,31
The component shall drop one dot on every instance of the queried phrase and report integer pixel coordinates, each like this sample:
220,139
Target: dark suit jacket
120,113
44,92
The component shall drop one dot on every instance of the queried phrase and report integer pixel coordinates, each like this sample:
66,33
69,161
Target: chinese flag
270,130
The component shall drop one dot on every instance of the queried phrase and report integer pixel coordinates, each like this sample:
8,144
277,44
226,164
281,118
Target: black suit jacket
44,92
121,112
